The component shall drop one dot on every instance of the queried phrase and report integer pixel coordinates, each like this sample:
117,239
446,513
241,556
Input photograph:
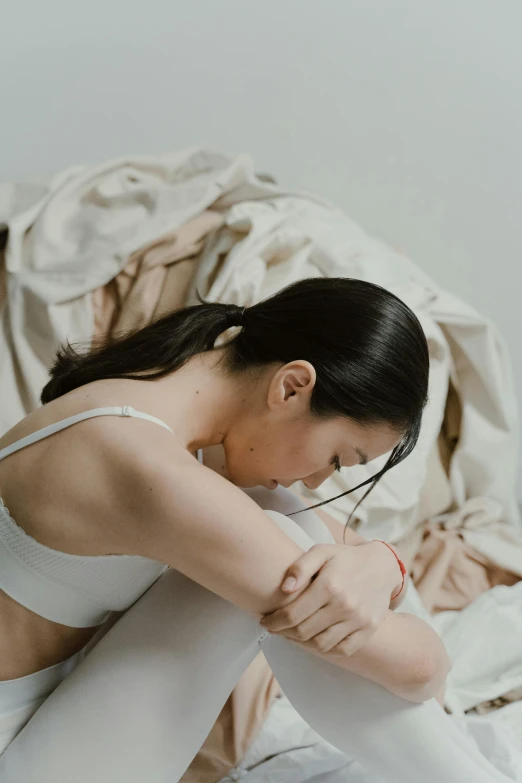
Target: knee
285,502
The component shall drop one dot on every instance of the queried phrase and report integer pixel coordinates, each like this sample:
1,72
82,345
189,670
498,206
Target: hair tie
237,315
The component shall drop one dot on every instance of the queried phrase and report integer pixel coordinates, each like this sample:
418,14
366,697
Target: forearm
404,655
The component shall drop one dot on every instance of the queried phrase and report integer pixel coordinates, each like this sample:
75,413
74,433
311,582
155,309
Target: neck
206,402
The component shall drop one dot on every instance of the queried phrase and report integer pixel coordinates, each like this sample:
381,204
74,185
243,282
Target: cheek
280,453
296,459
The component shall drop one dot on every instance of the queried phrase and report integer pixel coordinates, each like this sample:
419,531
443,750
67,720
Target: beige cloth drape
447,573
154,280
102,249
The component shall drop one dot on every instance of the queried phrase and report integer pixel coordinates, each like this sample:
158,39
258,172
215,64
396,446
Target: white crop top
74,590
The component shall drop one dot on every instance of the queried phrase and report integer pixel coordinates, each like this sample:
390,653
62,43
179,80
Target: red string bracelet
401,566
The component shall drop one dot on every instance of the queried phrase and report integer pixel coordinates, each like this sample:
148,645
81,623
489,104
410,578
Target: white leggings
140,705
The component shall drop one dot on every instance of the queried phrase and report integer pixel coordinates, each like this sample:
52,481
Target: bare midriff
29,642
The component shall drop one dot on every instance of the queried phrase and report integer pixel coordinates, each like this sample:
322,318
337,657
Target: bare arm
214,458
211,531
399,649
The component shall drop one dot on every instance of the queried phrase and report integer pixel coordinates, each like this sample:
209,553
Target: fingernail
289,583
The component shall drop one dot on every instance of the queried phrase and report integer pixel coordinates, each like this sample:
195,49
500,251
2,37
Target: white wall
406,113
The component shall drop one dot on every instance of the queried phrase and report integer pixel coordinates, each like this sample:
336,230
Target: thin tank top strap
40,434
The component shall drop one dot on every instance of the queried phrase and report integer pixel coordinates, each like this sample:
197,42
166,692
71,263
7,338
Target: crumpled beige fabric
139,298
449,574
75,234
269,243
78,233
435,498
130,300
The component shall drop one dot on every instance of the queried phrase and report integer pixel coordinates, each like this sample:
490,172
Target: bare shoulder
169,498
205,527
137,468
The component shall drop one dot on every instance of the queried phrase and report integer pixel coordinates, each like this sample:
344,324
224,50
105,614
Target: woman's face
275,440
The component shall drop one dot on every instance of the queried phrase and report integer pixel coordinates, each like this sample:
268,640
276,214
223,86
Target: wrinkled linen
80,234
101,248
132,298
265,245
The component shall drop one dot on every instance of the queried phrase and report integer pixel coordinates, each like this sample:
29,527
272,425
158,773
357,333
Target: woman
104,493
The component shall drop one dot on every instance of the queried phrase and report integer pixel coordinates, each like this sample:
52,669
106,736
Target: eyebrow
362,455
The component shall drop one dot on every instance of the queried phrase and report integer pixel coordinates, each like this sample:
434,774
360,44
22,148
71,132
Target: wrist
399,597
397,576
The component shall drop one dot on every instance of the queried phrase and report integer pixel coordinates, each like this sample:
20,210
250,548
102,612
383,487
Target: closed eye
337,463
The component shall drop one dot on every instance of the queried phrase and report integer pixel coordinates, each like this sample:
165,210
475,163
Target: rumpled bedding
99,249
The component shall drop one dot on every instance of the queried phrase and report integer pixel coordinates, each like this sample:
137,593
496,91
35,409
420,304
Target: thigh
142,702
140,705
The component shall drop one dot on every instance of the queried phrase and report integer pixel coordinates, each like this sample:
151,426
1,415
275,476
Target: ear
294,382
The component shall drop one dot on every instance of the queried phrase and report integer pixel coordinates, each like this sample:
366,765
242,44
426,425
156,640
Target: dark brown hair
367,347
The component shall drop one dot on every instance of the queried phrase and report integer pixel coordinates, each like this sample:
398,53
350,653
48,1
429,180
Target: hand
346,600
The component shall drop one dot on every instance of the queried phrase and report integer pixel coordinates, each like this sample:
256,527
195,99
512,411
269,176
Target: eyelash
337,464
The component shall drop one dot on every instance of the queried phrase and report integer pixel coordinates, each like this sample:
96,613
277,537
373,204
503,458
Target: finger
328,636
308,628
331,637
311,600
314,597
306,566
325,634
314,625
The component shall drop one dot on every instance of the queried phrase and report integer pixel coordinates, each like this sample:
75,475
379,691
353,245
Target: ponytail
151,352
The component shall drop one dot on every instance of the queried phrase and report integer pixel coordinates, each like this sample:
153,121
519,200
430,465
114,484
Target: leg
396,740
142,702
